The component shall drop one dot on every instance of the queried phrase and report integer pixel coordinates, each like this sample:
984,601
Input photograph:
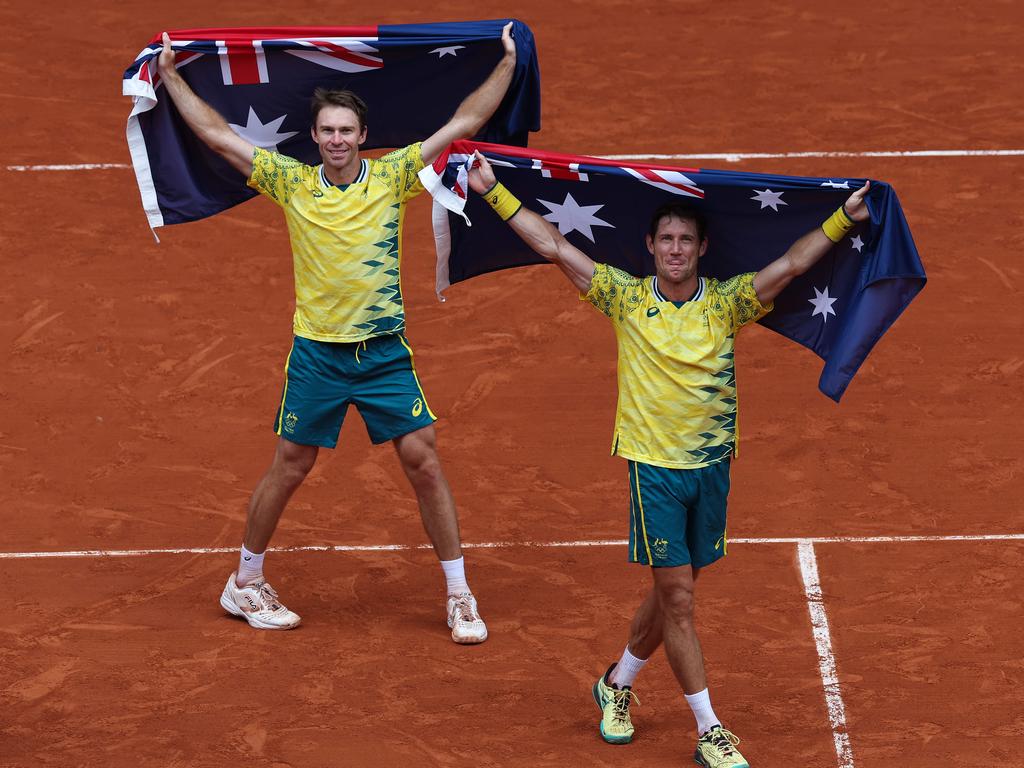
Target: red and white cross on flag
554,169
243,59
242,62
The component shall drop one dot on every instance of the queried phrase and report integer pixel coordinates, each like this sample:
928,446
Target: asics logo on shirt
652,311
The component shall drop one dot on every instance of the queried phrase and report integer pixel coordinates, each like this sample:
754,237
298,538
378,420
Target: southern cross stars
858,244
769,199
570,216
261,134
822,303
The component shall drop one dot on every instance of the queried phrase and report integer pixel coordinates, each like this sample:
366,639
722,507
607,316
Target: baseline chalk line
499,545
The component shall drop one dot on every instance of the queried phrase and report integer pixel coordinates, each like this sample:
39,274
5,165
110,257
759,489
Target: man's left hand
508,42
855,206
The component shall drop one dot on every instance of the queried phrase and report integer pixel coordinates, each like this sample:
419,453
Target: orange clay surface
138,382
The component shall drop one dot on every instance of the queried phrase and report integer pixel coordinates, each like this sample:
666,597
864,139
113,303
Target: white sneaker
257,603
464,620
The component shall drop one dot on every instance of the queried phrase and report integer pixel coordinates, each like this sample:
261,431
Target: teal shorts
677,516
377,376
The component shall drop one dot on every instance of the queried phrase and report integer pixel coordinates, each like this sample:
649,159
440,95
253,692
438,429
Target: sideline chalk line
730,157
799,540
826,660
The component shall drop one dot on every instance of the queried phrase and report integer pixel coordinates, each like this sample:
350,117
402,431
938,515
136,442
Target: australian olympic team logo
290,422
417,407
659,548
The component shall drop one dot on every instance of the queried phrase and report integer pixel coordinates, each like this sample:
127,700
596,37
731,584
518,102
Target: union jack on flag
839,309
412,77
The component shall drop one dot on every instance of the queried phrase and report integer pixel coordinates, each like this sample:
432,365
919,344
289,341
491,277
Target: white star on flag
823,304
857,243
836,184
570,216
261,134
769,199
448,50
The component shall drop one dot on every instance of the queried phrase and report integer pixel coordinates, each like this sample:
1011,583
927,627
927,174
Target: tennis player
344,219
675,424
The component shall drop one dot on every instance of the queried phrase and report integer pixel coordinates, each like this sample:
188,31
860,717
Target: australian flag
412,77
839,309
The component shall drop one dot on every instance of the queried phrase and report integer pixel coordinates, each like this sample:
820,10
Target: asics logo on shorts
417,407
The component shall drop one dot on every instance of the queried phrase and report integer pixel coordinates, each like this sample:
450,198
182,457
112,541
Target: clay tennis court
879,540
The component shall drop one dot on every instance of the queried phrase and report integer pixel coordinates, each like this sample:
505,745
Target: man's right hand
481,175
212,129
166,60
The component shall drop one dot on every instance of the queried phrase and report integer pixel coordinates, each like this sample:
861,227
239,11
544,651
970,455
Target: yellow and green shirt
346,242
677,383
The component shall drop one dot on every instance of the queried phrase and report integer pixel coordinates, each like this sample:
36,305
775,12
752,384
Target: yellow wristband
502,201
837,225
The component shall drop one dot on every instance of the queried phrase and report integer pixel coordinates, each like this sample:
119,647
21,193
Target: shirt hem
668,464
345,339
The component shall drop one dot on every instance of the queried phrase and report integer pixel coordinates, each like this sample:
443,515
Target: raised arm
537,233
477,108
805,252
203,119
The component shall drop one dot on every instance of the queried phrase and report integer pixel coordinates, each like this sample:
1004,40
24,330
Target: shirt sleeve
400,169
275,175
614,292
736,300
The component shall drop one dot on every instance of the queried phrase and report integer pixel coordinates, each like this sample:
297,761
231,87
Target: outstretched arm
805,252
477,108
203,119
537,233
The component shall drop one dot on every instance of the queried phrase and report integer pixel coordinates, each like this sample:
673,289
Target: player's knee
426,473
294,463
677,602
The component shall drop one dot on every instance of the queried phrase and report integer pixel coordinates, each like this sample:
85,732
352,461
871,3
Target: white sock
250,567
626,670
700,703
455,575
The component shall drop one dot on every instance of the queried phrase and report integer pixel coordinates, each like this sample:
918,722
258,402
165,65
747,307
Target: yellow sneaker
616,727
717,749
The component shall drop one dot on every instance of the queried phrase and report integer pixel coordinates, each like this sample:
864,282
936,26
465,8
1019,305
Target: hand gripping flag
839,309
412,77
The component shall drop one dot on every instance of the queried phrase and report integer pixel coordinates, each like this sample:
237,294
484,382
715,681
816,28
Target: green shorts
377,376
677,516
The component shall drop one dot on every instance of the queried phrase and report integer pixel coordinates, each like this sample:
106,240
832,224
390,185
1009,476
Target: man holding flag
675,422
344,219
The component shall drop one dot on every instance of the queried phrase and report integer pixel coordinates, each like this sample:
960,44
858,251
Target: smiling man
345,224
675,423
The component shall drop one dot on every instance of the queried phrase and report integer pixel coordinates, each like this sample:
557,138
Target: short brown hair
326,97
678,210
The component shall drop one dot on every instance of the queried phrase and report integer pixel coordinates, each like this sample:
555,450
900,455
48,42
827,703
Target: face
676,249
338,135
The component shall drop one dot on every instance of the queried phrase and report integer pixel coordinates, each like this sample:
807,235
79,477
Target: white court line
498,545
826,661
68,167
731,157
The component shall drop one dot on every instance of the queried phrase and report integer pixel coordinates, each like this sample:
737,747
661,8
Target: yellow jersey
677,404
346,241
